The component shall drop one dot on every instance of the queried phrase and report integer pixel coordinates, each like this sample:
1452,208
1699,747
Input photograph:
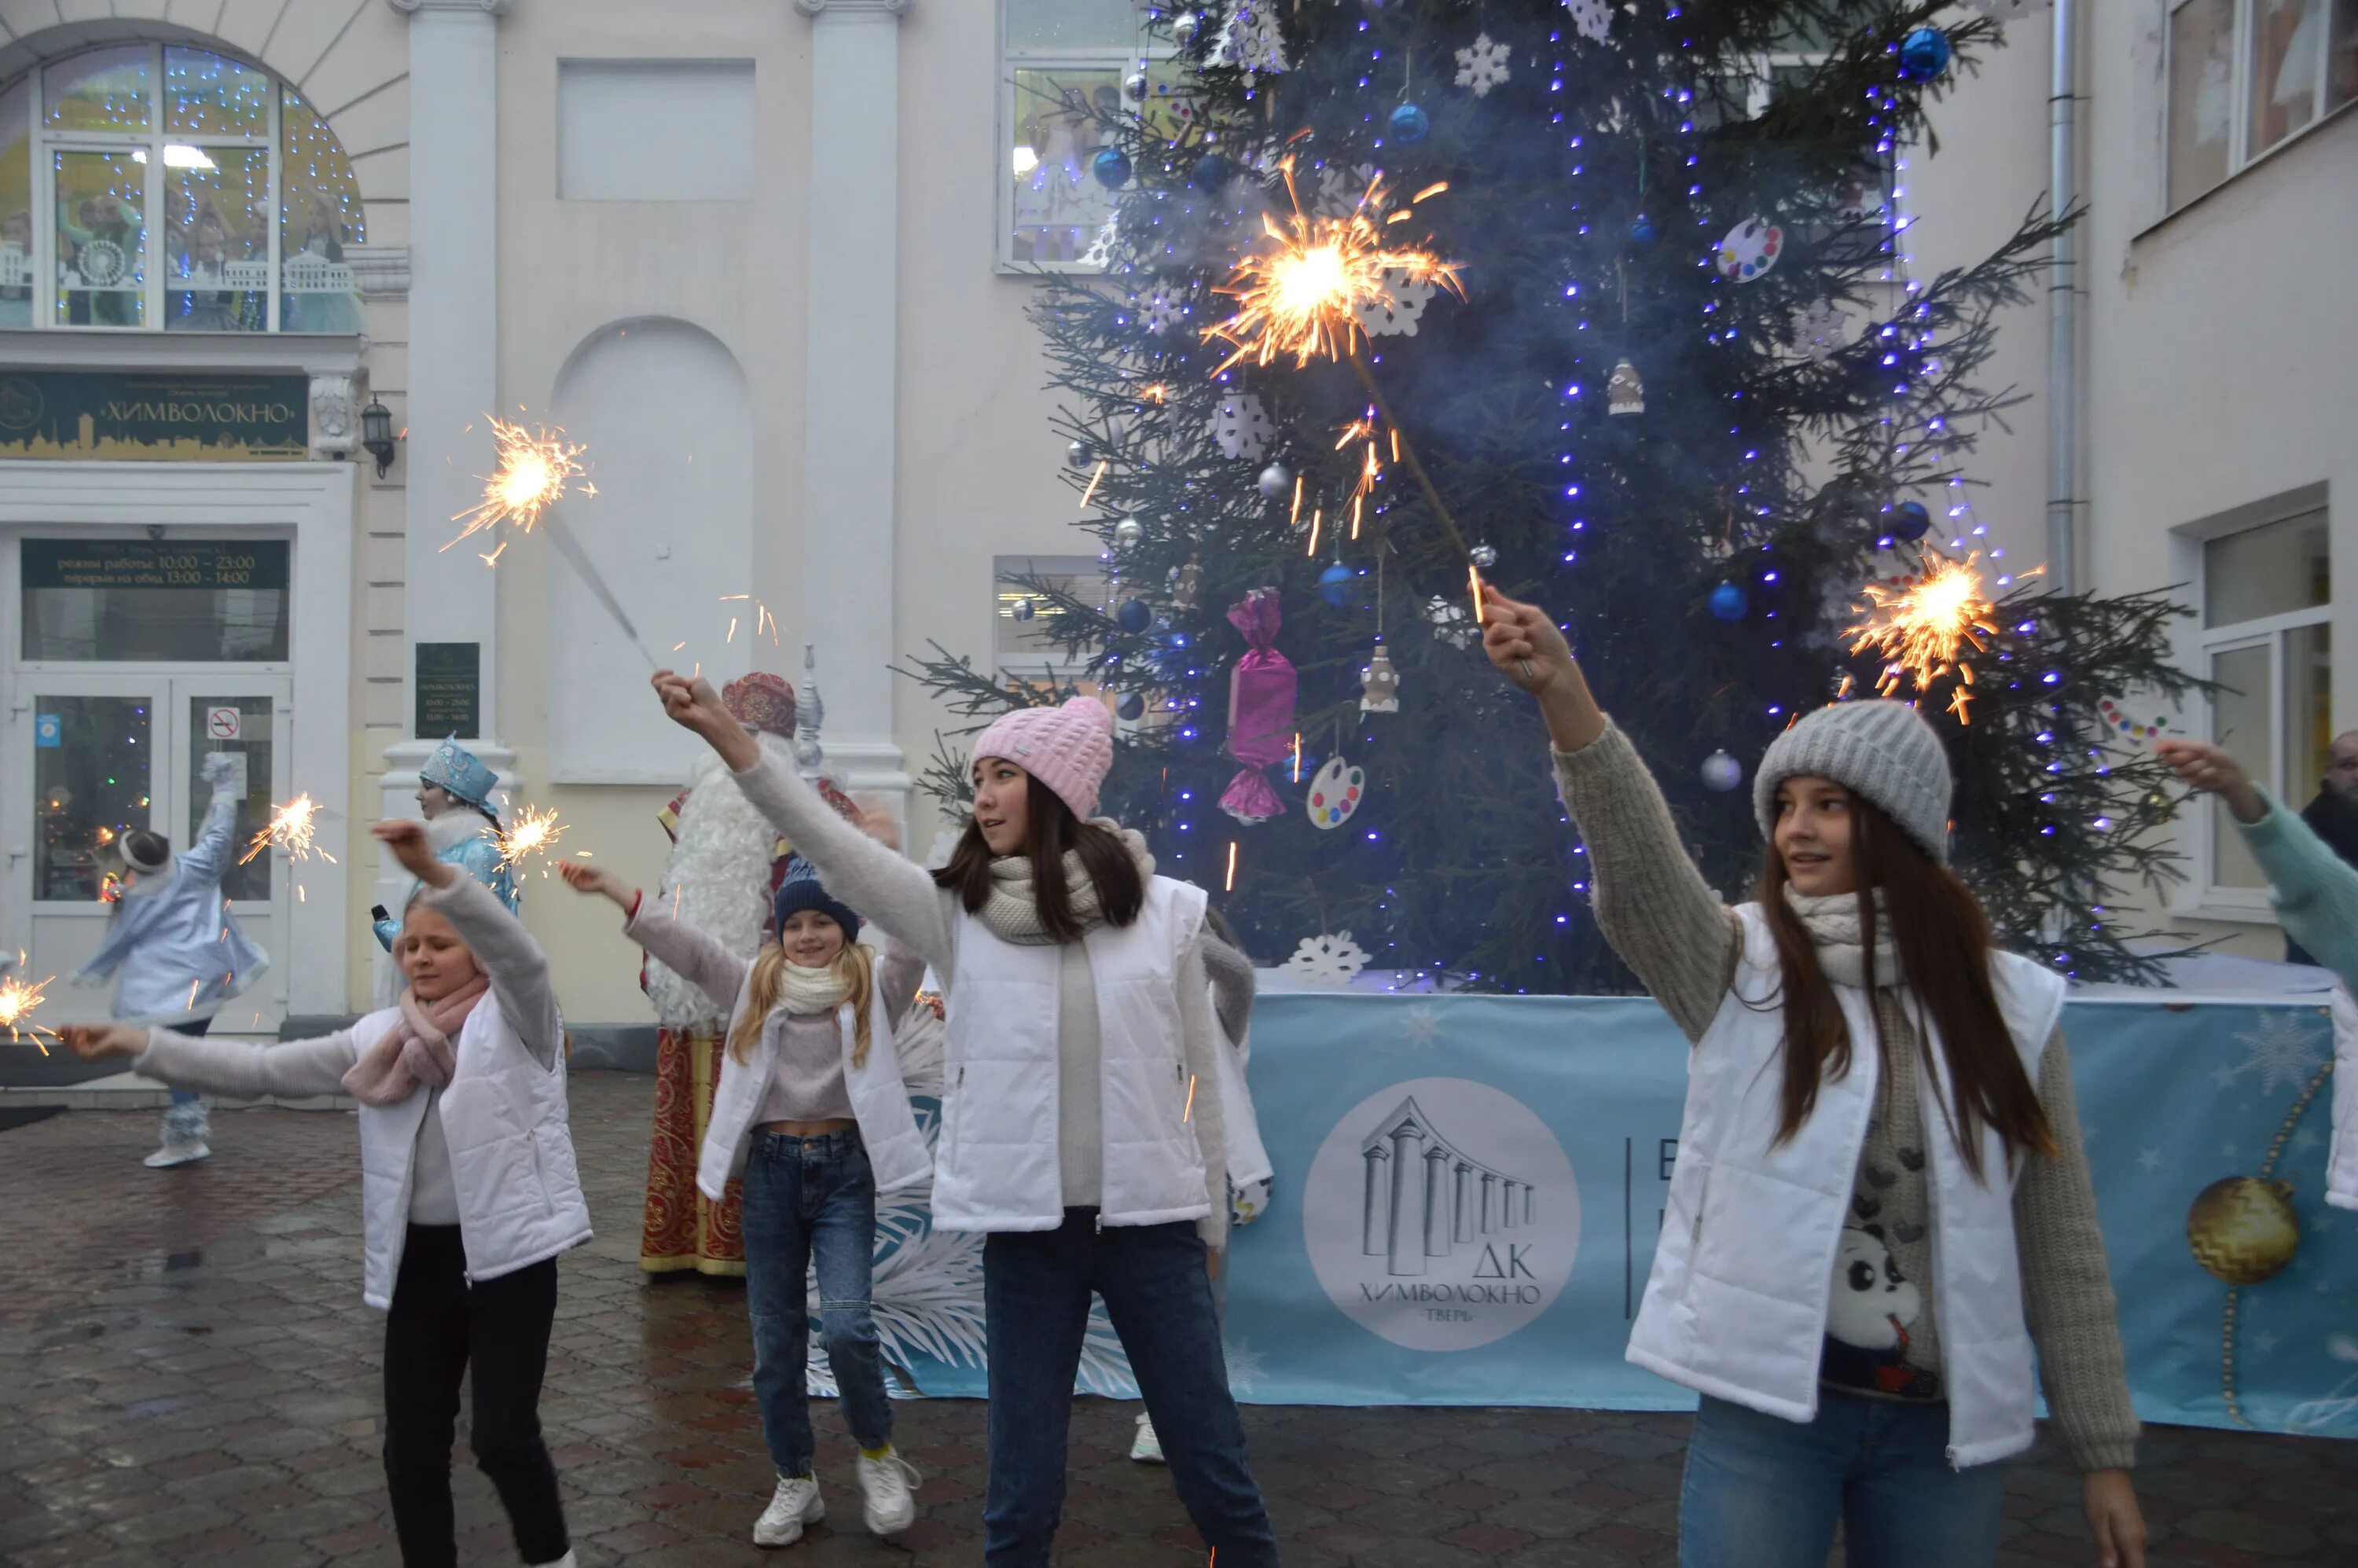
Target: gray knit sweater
1668,927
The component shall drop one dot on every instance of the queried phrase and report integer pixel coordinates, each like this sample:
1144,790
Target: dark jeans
190,1121
1036,1286
805,1198
438,1326
1761,1492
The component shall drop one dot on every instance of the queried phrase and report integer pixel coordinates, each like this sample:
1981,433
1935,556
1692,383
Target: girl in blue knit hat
1881,1206
811,1111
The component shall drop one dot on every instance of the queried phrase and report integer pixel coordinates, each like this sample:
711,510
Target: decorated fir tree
1593,300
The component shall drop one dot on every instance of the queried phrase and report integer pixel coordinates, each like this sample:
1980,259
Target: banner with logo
1468,1190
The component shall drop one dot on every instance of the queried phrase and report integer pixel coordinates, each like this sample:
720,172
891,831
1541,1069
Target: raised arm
207,858
883,885
508,957
693,955
1650,902
2315,892
239,1069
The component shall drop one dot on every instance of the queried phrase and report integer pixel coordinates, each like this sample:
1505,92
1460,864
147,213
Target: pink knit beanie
1068,748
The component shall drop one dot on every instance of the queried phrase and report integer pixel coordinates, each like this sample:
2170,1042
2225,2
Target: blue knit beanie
801,890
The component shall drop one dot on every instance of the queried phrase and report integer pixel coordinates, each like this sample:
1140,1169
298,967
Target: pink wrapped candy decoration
1260,709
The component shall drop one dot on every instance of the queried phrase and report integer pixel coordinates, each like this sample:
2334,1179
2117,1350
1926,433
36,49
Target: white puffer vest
1737,1304
503,1116
998,1168
2342,1155
897,1155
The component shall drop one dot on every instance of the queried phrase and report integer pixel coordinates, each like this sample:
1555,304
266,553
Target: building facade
766,262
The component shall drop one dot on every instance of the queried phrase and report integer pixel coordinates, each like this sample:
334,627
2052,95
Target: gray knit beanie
1881,749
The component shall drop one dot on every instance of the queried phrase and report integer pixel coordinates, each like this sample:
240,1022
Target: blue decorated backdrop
1469,1189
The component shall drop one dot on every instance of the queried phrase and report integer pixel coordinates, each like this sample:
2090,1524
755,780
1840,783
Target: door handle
16,852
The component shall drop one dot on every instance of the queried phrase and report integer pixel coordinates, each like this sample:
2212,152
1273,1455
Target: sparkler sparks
531,833
534,466
17,1001
292,826
1922,628
1301,295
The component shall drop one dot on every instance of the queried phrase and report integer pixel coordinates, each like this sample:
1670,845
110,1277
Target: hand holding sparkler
17,1001
530,834
2200,765
588,879
693,705
1530,650
96,1041
410,845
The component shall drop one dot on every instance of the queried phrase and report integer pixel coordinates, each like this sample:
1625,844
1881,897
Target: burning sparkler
17,1001
531,833
290,832
1922,628
534,466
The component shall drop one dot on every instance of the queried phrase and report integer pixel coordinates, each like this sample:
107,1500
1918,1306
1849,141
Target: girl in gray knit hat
1881,1206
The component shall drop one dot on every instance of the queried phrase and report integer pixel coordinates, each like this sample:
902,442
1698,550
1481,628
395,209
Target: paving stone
226,1409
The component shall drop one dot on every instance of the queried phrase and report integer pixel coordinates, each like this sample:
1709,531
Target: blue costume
468,839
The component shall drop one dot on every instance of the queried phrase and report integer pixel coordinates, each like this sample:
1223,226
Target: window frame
44,143
1143,54
2239,157
2200,896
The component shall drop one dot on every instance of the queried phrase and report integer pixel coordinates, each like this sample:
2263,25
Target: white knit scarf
1013,914
805,991
1833,924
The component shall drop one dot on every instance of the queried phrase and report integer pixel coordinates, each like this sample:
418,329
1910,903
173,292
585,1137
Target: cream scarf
1832,924
1013,915
805,991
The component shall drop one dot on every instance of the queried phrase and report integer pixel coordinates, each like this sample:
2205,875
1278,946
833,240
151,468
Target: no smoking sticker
221,723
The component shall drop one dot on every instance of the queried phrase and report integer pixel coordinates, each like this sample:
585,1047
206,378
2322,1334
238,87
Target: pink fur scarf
417,1050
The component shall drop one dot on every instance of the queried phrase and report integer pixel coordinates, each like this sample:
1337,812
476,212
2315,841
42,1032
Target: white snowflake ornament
1249,40
1396,313
1819,329
1451,624
1593,17
1340,190
1164,308
1482,65
1242,428
1328,962
1102,251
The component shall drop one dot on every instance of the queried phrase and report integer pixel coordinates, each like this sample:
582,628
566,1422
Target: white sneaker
1148,1448
794,1504
172,1155
888,1484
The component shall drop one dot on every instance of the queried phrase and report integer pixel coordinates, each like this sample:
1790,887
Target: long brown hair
854,964
1943,946
1051,829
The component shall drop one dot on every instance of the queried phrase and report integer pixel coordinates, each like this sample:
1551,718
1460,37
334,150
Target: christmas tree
1593,300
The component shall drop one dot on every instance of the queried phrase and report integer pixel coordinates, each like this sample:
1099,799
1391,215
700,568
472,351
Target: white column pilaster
846,562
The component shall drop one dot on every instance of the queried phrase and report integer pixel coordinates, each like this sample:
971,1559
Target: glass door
96,754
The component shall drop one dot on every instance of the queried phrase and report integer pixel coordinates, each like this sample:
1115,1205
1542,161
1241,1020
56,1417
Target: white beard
719,870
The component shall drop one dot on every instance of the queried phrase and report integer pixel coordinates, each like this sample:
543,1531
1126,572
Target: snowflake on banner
1102,251
1245,1368
1482,65
1420,1024
2283,1050
1242,428
1340,190
1331,962
1819,329
1396,314
1593,17
1250,41
1164,308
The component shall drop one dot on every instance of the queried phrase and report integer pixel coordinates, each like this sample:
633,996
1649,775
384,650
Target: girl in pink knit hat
1081,1108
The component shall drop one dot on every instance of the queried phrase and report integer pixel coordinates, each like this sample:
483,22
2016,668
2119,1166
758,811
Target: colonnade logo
1441,1213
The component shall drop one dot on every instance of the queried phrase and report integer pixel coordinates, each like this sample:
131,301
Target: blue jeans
1035,1291
1761,1492
187,1119
810,1198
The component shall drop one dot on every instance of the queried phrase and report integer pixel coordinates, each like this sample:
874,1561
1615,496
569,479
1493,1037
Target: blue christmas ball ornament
1641,230
1134,615
1728,603
1910,521
1131,705
1212,173
1111,168
1924,55
1410,124
1334,584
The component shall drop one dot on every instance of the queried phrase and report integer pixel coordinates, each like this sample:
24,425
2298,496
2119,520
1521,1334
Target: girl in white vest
468,1188
811,1113
1880,1204
1081,1107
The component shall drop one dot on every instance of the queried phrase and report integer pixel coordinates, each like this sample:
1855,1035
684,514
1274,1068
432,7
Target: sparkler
1923,629
531,834
290,832
17,1001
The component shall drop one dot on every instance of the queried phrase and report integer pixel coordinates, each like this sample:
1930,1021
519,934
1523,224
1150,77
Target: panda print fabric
1872,1306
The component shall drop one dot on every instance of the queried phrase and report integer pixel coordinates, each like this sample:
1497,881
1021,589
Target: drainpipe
2063,309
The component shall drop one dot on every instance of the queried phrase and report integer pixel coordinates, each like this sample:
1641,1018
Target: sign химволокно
147,417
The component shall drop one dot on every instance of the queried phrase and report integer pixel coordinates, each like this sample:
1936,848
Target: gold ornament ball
2242,1230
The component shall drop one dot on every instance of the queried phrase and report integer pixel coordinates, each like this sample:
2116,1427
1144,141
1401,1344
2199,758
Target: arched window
154,186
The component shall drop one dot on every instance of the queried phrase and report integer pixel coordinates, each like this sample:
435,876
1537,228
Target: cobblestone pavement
187,1376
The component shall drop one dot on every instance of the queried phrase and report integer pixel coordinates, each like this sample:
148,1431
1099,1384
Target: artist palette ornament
1750,250
2120,718
1334,793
